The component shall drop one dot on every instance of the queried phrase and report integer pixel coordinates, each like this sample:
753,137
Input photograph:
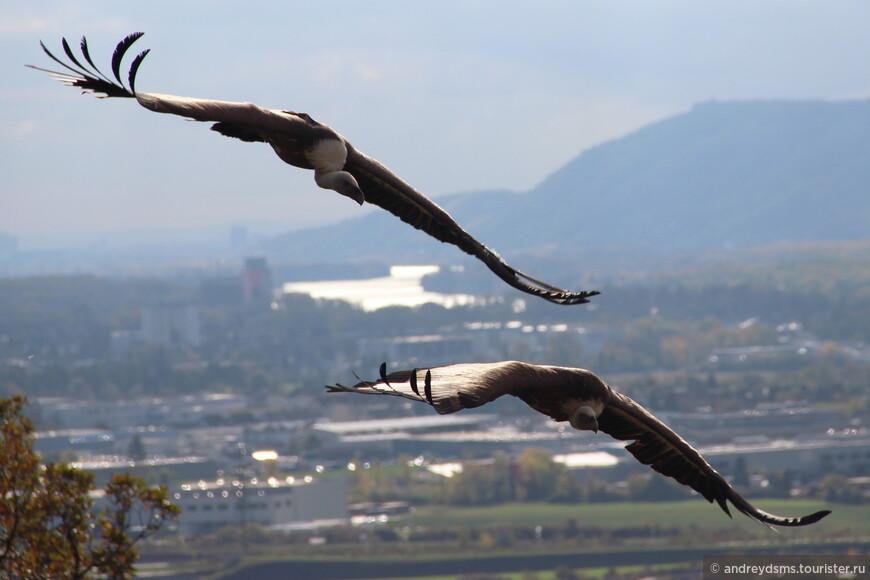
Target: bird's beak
355,194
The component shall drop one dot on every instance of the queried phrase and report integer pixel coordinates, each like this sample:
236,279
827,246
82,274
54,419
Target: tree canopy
50,525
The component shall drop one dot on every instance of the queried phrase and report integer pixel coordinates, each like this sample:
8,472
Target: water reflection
401,288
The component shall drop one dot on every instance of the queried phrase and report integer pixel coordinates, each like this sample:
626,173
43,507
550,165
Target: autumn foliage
50,522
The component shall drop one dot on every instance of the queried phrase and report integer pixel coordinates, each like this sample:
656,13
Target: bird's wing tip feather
120,50
134,68
773,520
530,285
88,76
813,518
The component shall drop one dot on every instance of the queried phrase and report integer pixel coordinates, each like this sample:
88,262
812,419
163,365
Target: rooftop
372,426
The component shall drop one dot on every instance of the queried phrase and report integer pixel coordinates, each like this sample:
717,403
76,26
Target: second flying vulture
586,402
303,142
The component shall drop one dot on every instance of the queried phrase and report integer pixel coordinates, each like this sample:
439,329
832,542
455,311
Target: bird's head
346,184
342,182
584,419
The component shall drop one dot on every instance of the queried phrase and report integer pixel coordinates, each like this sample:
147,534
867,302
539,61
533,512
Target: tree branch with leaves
50,526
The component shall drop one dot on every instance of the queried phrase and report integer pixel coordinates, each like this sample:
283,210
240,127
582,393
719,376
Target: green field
546,574
677,531
695,512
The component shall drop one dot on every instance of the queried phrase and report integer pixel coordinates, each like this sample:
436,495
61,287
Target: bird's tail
89,78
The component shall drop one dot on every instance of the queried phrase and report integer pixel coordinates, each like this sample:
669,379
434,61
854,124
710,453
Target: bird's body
303,142
296,138
586,402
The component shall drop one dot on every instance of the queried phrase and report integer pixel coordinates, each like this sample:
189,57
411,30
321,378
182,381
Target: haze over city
453,96
173,302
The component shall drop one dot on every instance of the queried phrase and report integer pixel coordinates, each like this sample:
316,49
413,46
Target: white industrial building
279,503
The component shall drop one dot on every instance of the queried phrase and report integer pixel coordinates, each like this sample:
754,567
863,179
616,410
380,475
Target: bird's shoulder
571,381
306,120
557,391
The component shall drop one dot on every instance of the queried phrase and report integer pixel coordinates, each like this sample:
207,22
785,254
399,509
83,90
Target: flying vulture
586,402
303,142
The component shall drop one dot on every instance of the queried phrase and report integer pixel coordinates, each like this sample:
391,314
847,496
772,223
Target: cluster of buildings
227,463
237,473
173,323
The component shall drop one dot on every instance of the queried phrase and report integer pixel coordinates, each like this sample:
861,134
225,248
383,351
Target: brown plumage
303,142
586,402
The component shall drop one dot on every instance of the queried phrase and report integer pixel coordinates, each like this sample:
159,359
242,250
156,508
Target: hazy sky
452,95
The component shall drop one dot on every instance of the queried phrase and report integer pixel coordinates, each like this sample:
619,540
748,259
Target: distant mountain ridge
724,174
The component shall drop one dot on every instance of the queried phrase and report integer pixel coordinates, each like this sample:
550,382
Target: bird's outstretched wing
383,188
245,119
292,132
448,388
657,445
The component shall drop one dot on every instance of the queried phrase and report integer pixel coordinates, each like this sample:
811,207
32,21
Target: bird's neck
327,179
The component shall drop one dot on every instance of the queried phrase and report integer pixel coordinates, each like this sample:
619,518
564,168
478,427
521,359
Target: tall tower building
257,281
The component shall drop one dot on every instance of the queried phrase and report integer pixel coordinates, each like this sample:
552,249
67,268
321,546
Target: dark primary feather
87,55
120,51
254,124
554,391
90,78
134,68
70,54
55,59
